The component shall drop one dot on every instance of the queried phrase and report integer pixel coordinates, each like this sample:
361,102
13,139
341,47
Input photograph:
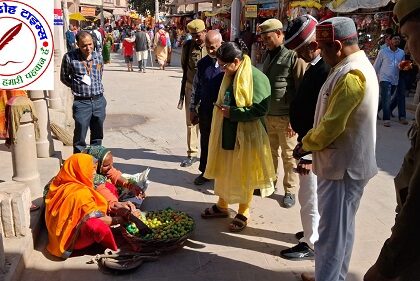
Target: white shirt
386,65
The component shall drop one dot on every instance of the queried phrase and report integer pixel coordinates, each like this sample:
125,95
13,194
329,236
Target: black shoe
288,200
299,252
189,161
299,235
200,180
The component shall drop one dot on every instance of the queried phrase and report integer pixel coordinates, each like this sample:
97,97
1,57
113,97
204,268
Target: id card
86,79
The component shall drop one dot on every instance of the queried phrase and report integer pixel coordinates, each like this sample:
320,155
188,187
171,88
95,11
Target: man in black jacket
142,44
206,84
300,37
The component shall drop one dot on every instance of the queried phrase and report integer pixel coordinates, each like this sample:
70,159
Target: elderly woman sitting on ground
76,214
109,181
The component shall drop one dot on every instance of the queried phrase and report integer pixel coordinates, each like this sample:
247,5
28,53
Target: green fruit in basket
165,224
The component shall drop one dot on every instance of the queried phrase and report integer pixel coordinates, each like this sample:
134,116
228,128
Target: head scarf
99,152
71,197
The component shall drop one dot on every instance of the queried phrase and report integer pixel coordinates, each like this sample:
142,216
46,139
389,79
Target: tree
142,5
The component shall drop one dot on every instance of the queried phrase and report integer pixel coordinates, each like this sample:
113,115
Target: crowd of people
315,99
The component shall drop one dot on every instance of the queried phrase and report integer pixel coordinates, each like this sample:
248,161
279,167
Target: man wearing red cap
399,258
343,144
300,37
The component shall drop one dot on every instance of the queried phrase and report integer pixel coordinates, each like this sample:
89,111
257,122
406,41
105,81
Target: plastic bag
141,180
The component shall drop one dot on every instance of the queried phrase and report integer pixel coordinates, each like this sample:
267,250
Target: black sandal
214,212
238,223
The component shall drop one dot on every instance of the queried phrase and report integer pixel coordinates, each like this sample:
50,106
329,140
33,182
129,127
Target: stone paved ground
144,129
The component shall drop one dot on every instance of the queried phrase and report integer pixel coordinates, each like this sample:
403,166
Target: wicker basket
139,244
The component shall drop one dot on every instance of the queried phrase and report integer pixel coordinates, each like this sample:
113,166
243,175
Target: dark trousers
404,85
88,114
386,90
205,126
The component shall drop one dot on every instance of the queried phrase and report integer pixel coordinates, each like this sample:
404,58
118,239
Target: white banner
26,45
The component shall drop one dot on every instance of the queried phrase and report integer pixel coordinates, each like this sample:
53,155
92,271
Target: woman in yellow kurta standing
75,213
239,151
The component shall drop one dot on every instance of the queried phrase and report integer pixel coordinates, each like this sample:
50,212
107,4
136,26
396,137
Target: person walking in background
387,68
408,72
399,258
142,44
97,36
239,150
161,45
300,37
206,86
81,71
108,43
285,71
70,39
192,51
342,142
128,51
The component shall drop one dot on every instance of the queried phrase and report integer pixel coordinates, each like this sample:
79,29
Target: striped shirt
74,67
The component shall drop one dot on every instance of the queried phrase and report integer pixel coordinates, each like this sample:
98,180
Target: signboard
58,17
88,11
27,46
251,11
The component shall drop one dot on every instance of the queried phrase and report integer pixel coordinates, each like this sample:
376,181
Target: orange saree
71,198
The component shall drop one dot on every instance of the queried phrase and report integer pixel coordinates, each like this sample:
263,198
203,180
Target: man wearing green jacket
285,71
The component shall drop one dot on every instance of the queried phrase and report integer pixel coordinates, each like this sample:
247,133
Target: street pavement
144,128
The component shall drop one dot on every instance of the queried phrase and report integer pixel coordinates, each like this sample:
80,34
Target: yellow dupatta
70,198
249,166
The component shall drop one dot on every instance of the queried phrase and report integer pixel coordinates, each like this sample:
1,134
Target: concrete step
19,250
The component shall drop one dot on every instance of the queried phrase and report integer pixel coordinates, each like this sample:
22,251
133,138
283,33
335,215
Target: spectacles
225,65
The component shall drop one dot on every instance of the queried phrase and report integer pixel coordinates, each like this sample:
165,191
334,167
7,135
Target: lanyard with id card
86,78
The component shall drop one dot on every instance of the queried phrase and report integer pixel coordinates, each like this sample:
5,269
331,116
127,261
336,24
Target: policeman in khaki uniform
399,259
285,71
192,51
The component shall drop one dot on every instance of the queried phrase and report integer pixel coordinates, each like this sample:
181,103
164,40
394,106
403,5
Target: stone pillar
59,50
25,165
44,145
15,201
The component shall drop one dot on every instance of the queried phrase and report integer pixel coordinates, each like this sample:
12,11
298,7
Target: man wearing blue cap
343,144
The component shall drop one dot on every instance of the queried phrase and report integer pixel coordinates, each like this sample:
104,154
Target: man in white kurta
343,144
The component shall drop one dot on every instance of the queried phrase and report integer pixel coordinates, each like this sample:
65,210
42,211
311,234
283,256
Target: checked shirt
73,68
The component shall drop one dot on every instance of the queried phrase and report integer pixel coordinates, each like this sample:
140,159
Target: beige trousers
192,130
277,134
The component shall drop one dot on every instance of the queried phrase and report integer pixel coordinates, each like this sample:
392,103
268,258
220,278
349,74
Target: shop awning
119,12
215,12
77,16
306,4
346,6
107,15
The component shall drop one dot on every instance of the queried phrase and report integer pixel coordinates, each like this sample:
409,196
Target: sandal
214,212
238,223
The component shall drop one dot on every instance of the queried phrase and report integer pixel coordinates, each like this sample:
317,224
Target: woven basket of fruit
170,229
